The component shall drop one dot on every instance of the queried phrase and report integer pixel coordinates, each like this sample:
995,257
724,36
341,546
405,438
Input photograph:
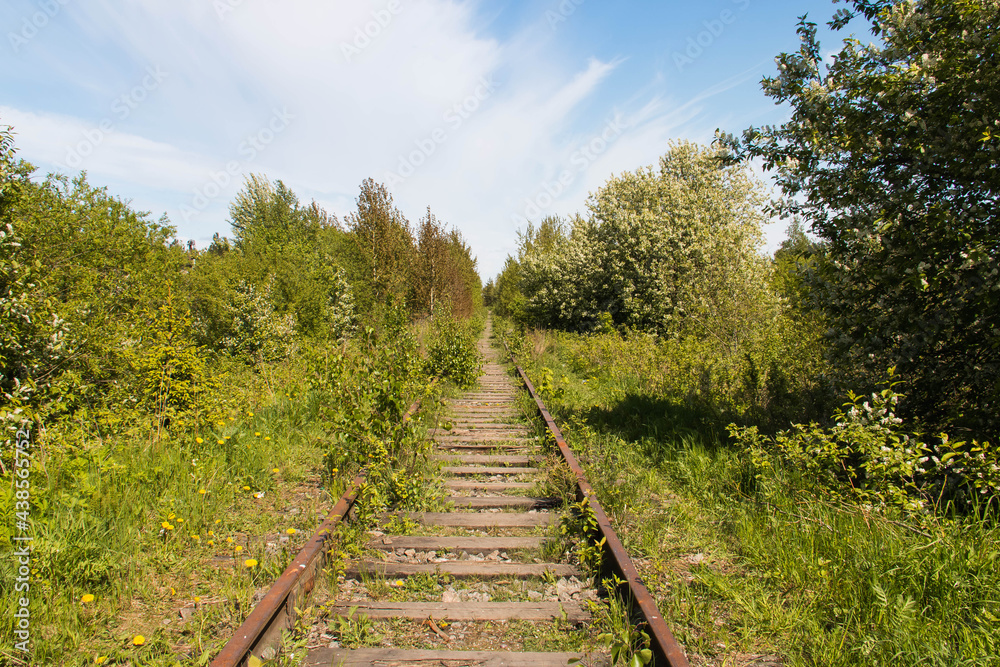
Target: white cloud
365,85
70,144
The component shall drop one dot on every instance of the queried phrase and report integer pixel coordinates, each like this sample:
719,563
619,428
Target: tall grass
797,572
173,533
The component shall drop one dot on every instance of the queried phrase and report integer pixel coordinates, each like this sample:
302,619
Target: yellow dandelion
87,598
267,437
220,423
218,521
138,640
229,539
199,440
171,515
257,433
290,531
239,548
221,442
173,591
211,543
166,526
197,599
202,492
100,660
180,520
250,563
275,471
334,471
250,413
246,488
211,533
196,538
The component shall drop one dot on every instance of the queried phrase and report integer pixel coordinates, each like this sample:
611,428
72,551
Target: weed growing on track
798,572
177,533
452,353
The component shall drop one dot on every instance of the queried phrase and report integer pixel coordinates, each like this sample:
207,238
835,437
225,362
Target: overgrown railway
479,584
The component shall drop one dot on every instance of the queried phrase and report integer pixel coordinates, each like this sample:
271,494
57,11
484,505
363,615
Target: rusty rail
276,611
666,650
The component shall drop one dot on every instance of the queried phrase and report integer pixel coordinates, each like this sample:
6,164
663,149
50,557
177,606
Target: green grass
795,572
159,525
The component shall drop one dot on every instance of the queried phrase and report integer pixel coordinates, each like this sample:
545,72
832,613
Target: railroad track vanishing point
475,585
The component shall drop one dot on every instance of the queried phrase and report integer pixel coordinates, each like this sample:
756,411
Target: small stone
534,596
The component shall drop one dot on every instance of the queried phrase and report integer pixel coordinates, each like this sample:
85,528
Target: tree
672,251
266,215
891,156
431,266
794,260
383,241
288,252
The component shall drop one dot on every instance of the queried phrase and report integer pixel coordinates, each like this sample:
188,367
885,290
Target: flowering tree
673,250
891,155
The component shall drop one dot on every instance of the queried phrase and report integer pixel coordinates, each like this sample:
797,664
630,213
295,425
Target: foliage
384,243
32,335
257,333
180,398
890,156
780,379
82,270
868,457
507,296
444,271
579,525
629,645
268,217
296,258
452,353
171,373
765,561
669,251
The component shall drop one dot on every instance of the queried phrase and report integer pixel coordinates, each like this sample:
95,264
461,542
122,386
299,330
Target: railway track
482,583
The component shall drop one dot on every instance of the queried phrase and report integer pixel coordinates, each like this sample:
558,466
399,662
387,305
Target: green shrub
452,353
868,456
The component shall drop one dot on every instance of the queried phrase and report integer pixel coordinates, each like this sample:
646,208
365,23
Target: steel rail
666,650
276,611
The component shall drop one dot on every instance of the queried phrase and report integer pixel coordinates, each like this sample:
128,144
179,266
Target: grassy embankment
153,543
750,561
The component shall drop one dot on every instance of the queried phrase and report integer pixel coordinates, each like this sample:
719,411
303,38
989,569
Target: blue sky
491,113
